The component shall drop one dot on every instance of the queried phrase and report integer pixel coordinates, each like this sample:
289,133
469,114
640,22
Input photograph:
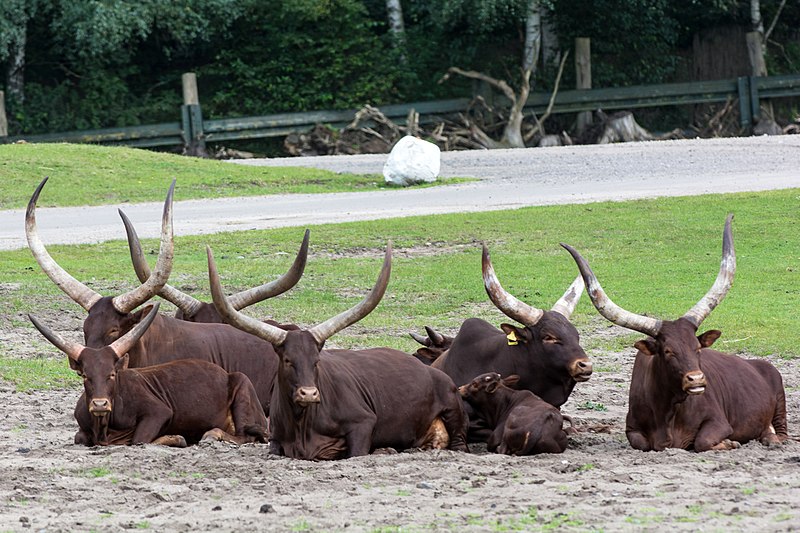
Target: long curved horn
187,304
508,304
249,297
722,284
83,295
125,303
122,345
607,308
266,331
325,330
72,349
565,306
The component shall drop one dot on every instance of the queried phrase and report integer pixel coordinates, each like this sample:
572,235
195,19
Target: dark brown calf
332,404
174,403
521,422
685,395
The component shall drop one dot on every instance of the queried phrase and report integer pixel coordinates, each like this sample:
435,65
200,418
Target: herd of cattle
212,372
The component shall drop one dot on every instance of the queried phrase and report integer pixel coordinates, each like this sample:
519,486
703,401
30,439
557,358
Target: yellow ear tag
512,338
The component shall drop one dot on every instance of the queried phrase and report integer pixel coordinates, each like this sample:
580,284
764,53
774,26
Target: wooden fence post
3,119
194,142
758,67
583,76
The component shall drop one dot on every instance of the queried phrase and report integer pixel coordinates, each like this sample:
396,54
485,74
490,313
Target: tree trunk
512,134
533,35
15,73
397,27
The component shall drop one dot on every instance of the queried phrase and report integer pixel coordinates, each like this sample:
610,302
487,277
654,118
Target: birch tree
397,28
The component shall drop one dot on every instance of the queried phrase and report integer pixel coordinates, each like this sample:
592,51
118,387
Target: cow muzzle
581,370
100,406
306,396
694,382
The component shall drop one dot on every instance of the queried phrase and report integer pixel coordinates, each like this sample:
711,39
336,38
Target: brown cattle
545,353
174,403
168,339
192,309
685,395
521,422
331,404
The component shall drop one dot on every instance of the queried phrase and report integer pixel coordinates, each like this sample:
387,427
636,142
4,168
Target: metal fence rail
748,90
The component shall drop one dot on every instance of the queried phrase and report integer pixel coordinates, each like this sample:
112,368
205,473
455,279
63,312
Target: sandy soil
599,483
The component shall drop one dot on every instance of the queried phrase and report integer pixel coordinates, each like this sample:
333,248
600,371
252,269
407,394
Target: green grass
97,175
37,374
656,257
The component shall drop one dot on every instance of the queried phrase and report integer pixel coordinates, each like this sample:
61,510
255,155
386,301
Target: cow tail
779,417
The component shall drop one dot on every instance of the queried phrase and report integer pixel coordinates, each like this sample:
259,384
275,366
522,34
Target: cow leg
638,441
174,441
151,426
713,435
249,421
83,438
359,439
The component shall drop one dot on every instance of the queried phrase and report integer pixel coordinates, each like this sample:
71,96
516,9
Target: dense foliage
103,63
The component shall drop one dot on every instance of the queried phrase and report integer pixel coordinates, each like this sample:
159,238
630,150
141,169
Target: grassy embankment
657,257
99,175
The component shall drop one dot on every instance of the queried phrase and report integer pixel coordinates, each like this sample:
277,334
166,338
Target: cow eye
551,339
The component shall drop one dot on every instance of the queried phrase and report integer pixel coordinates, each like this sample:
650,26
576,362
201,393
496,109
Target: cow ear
122,363
708,338
141,313
514,334
511,381
75,365
491,387
426,354
647,347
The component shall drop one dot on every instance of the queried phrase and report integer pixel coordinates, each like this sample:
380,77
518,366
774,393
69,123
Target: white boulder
412,161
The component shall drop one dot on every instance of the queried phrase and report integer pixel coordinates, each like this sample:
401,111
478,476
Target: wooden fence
192,128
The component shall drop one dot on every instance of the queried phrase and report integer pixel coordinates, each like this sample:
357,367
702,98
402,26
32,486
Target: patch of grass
590,405
436,275
301,525
97,175
748,491
142,525
403,492
95,472
40,373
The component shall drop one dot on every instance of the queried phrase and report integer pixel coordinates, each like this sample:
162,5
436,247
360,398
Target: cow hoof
212,435
174,441
384,451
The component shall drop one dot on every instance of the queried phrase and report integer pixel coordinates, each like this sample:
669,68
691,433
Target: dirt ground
600,483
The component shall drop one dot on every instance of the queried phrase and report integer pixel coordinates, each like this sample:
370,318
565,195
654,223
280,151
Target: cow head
675,344
109,317
98,366
298,350
192,309
434,345
547,335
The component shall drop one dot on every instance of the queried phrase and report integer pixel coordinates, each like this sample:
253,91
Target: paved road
509,179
